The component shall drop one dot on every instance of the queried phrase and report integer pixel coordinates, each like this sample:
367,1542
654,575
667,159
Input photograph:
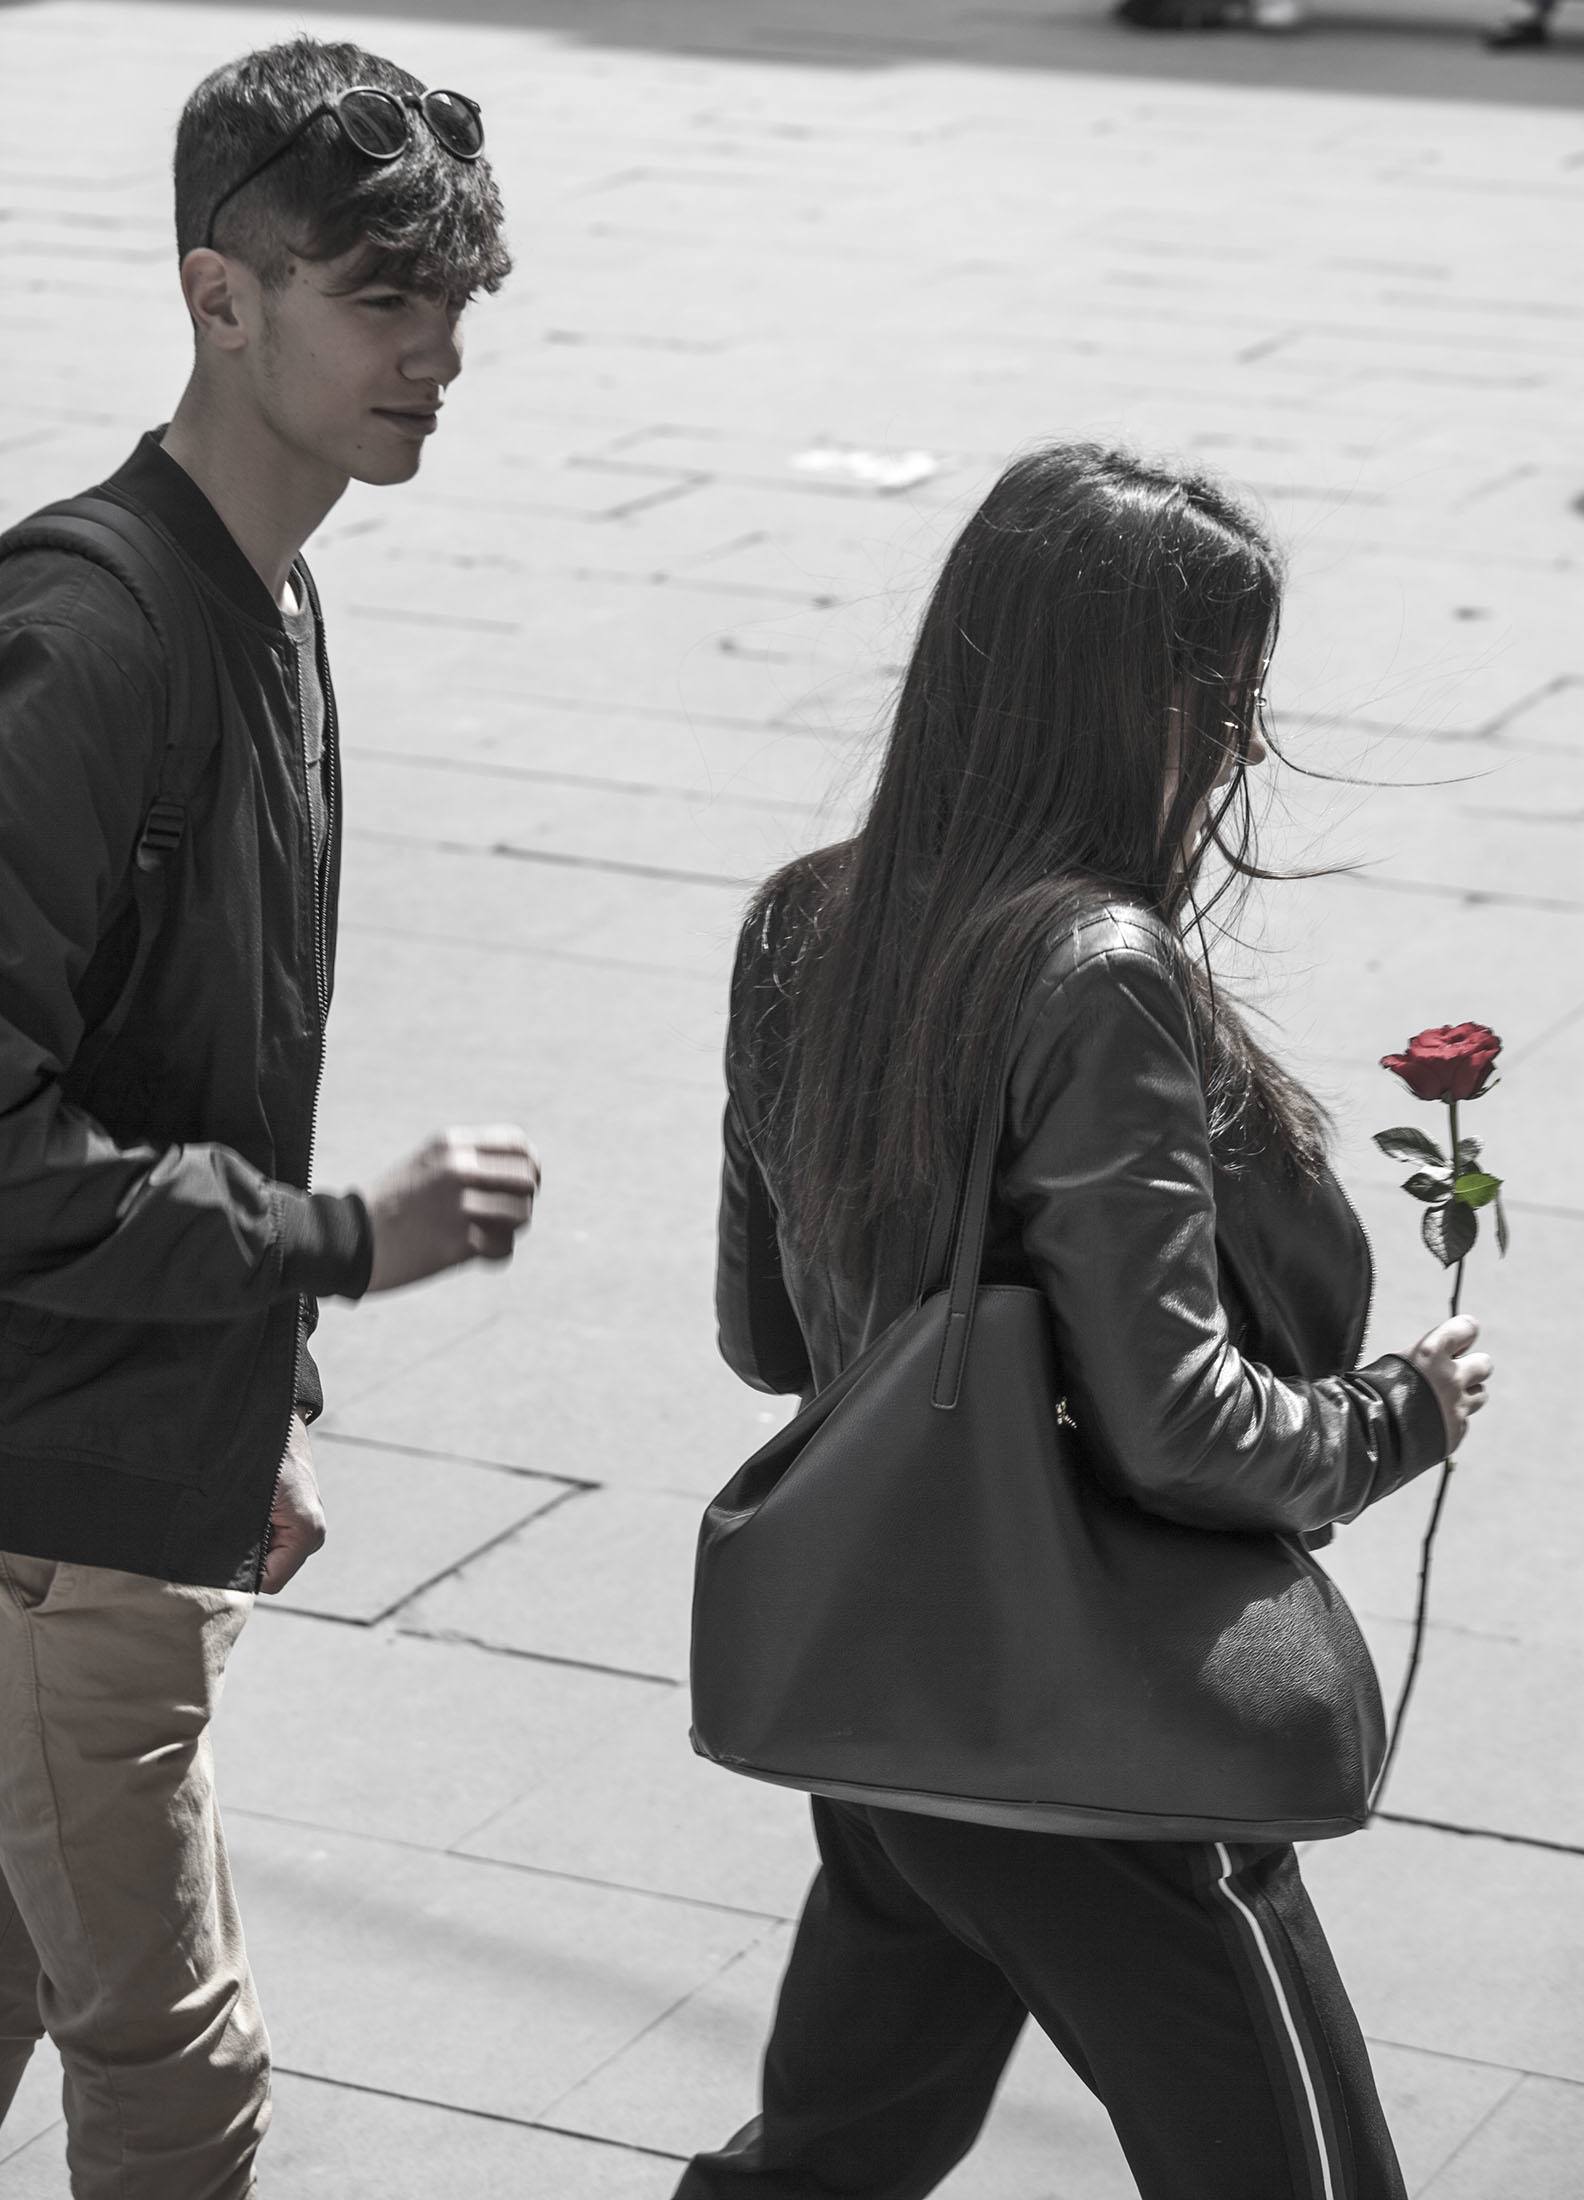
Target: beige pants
119,1933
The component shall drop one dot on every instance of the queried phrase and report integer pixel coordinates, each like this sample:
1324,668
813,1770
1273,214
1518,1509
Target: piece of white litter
868,469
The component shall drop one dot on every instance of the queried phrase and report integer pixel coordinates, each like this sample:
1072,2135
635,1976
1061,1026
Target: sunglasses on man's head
377,124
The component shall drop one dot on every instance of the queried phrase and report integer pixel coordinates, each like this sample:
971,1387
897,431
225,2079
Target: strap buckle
161,835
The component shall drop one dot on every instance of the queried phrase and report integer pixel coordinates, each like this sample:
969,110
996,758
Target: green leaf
1477,1190
1420,1186
1407,1144
1450,1231
1468,1152
1501,1229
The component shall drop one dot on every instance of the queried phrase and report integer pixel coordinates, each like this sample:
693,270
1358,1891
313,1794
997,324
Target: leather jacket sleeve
1107,1166
760,1338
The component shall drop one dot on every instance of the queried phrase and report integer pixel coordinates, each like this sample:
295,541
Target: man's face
352,383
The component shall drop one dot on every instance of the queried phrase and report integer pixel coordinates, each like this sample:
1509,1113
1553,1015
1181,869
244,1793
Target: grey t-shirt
302,632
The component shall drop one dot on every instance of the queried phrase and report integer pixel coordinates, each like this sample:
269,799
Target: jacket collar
152,480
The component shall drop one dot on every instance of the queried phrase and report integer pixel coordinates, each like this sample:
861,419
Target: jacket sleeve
89,1227
760,1339
760,1336
1110,1176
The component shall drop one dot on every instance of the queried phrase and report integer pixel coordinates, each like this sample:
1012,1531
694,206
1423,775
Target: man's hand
297,1521
462,1197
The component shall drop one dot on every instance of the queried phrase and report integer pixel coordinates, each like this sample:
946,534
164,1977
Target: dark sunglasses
378,124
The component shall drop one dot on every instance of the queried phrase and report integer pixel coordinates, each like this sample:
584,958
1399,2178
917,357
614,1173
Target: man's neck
269,498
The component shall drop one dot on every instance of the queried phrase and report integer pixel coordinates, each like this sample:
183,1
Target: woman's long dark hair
1099,622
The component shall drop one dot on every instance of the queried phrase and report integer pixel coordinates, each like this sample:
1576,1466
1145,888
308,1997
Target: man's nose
437,359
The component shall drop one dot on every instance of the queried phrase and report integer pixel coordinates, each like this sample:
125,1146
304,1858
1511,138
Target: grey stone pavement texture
626,645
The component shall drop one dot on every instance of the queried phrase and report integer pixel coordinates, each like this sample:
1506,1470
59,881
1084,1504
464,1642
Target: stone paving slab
719,836
604,1579
1531,2145
1491,1739
379,1731
336,2140
34,2112
702,1833
447,1979
1457,1945
498,904
401,1520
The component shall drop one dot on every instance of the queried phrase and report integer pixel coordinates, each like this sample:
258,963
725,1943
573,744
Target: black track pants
1187,1983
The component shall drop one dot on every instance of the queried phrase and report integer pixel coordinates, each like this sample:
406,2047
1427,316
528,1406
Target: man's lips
415,420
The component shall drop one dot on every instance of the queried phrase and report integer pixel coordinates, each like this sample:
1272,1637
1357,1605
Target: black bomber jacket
160,1255
1208,1316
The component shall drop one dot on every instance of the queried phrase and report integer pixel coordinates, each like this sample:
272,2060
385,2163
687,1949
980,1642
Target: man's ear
215,289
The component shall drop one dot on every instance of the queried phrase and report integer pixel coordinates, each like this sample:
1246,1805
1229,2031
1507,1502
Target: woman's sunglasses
378,124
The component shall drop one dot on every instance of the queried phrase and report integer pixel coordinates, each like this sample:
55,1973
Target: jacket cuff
327,1244
1415,1411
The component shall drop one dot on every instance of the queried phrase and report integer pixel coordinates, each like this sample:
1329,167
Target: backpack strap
149,565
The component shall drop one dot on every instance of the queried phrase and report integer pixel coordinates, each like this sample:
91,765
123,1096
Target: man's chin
388,469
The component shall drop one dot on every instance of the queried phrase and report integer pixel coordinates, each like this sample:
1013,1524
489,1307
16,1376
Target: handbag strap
969,1215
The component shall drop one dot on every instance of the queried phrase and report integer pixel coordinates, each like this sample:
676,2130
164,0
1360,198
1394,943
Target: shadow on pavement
1427,49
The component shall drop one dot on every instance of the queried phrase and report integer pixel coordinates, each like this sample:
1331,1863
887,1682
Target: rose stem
1457,1278
1422,1604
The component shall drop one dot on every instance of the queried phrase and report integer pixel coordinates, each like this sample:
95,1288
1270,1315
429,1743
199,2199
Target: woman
1072,741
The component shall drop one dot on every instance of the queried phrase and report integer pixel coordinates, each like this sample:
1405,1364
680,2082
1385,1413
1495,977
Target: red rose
1453,1062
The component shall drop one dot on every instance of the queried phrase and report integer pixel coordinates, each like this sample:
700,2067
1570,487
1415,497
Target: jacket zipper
321,872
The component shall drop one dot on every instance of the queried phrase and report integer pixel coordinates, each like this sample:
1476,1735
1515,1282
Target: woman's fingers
1457,1374
1454,1335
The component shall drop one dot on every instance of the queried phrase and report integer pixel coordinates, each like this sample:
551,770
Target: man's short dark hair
427,221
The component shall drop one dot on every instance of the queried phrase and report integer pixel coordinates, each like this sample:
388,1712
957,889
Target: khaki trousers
119,1933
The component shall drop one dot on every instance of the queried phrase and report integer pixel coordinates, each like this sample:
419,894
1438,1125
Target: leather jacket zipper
321,873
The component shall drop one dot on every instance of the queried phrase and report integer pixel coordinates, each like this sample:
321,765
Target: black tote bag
917,1595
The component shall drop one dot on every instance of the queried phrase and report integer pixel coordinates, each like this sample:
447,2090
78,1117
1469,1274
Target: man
160,1255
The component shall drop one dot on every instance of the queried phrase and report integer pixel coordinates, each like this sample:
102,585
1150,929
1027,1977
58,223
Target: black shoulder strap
958,1226
143,557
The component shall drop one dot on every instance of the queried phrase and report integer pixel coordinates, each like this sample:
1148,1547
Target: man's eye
388,302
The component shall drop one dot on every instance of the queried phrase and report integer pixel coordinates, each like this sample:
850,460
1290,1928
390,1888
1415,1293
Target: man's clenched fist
464,1196
297,1521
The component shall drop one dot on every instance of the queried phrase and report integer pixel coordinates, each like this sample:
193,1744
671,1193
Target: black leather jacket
1208,1318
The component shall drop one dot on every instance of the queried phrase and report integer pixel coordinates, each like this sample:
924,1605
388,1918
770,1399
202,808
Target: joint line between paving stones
457,1458
617,1886
520,1865
654,2024
1473,2062
475,769
538,950
558,858
482,1550
539,1657
1500,2102
1473,897
414,1361
1483,1833
583,705
479,2115
1544,1038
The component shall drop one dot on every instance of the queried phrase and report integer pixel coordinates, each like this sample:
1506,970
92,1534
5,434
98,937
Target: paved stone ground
623,648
